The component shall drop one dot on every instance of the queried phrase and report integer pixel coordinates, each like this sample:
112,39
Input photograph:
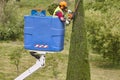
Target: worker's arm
60,16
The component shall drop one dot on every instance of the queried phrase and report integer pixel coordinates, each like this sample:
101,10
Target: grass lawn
55,68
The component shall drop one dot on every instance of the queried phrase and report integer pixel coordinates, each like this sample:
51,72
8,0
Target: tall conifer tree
78,64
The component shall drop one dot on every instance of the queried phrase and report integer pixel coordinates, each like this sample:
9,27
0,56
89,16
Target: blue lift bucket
43,33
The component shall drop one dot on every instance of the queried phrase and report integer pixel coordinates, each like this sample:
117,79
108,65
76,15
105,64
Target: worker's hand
62,19
67,22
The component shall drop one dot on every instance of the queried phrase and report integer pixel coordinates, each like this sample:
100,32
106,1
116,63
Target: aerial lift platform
42,34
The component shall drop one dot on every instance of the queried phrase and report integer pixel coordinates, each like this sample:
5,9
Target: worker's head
63,5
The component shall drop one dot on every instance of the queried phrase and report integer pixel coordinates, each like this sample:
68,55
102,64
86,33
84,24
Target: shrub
10,27
16,56
51,8
102,5
104,33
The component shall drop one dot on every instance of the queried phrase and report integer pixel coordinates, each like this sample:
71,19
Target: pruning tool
71,14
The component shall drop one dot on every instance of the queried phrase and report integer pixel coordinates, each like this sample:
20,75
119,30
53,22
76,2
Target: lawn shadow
106,65
98,61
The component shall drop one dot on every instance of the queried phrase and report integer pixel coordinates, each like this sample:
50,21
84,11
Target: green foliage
2,76
51,8
99,0
34,3
78,64
18,0
10,27
15,57
102,5
104,33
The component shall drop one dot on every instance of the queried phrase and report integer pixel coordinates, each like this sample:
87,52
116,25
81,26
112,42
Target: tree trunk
78,64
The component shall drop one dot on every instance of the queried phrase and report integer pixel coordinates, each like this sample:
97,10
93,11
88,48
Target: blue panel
37,13
43,33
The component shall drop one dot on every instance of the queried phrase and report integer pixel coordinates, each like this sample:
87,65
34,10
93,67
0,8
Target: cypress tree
78,64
